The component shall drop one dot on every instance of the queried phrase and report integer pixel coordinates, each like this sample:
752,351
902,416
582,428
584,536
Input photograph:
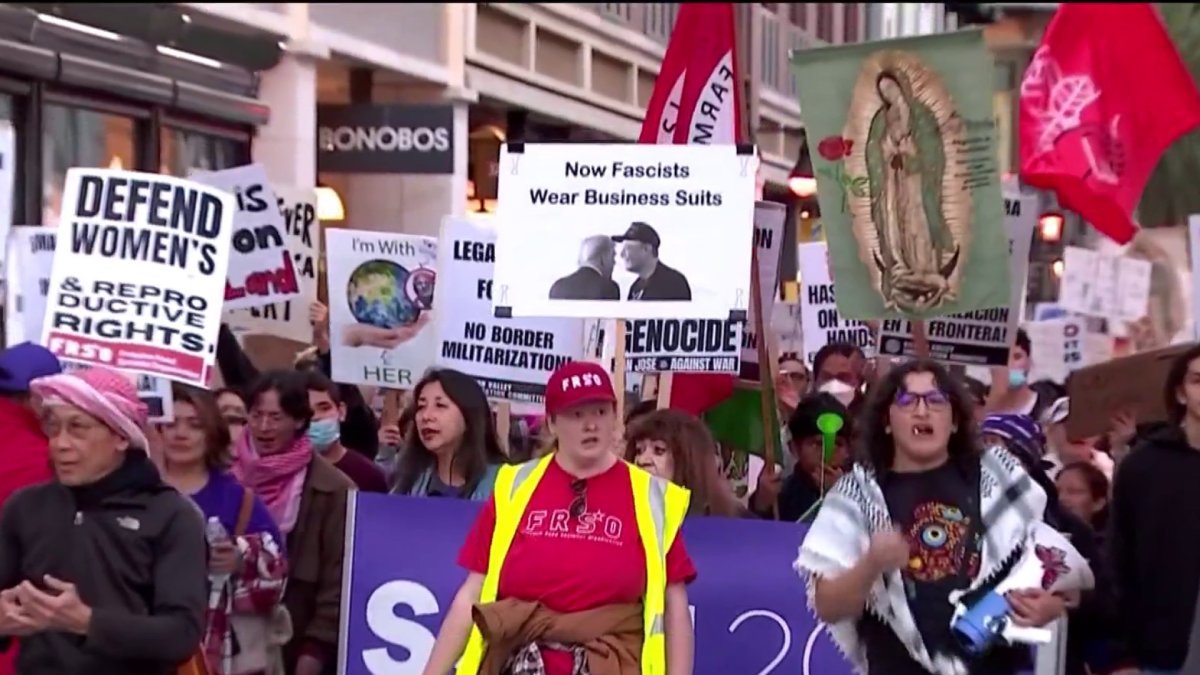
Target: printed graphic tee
938,512
573,564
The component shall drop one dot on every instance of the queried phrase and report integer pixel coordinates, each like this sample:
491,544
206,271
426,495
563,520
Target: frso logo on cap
582,381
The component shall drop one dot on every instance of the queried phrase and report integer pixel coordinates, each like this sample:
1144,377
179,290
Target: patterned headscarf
1022,434
107,395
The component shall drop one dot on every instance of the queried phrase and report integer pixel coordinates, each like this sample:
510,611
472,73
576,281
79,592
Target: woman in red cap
577,559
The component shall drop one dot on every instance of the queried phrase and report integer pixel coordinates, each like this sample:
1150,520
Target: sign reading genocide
385,138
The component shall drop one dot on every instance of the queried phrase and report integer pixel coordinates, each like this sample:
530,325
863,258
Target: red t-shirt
573,564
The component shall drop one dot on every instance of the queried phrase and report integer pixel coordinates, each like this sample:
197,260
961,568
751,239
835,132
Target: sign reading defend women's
903,146
139,277
381,288
624,231
261,266
511,358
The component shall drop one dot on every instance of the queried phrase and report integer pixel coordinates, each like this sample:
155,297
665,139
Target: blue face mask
1017,378
324,433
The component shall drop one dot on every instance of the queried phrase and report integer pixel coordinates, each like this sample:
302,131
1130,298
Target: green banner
901,138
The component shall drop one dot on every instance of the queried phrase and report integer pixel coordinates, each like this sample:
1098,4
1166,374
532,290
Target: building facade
175,87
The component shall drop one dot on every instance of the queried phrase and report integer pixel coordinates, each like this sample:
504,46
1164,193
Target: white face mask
843,392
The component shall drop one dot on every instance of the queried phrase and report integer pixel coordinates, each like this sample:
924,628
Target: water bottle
215,533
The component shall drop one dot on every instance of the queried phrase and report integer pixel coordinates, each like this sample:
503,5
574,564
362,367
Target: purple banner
748,605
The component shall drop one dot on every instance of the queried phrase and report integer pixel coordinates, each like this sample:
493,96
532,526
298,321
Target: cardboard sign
1134,382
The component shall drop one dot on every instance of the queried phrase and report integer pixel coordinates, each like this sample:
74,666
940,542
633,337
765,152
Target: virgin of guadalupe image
912,223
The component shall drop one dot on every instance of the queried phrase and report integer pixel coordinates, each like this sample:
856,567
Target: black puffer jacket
134,548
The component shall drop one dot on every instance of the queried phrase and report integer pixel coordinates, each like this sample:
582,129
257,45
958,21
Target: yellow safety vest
660,506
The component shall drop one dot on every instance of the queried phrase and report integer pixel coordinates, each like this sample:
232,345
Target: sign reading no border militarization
511,358
624,231
139,276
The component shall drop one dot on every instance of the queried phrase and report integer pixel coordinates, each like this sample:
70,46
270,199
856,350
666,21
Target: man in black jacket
593,280
1154,537
102,571
656,281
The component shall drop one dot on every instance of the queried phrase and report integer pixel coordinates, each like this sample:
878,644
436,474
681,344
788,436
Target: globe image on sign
378,295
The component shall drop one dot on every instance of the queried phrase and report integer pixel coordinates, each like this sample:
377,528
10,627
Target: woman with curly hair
676,446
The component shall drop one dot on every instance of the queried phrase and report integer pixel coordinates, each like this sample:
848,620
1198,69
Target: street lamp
801,185
1050,226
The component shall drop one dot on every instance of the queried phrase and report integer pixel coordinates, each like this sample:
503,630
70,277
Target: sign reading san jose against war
261,267
139,277
511,358
302,236
711,345
624,231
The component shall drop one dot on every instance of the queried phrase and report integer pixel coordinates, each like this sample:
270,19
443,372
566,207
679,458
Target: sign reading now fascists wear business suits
747,604
371,138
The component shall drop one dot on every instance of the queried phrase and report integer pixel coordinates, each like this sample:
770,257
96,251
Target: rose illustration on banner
835,150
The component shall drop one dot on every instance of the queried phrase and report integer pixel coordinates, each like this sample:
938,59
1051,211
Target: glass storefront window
183,151
81,137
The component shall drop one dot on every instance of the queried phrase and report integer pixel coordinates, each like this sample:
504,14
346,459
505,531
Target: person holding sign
103,569
598,571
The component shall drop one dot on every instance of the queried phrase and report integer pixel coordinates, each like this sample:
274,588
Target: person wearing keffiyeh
307,497
924,519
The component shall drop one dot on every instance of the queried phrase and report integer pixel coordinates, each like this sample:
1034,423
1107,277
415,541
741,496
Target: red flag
697,83
1103,98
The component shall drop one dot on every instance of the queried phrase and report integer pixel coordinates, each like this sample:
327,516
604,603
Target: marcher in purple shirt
324,432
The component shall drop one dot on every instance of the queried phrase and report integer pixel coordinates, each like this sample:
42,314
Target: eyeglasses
579,503
934,400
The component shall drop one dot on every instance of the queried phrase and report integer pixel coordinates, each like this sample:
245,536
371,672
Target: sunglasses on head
933,399
579,503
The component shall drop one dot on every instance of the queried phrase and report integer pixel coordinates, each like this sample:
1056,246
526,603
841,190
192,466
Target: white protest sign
510,358
680,214
711,345
1103,285
381,289
1194,250
138,280
1057,346
8,167
302,237
981,337
820,320
261,268
30,259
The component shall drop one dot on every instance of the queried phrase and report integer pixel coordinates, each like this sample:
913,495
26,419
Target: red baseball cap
576,383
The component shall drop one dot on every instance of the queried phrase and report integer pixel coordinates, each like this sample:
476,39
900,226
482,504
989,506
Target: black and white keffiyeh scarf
1010,502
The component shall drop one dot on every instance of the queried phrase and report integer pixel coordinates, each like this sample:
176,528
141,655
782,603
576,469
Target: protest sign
1058,347
261,268
8,166
137,285
1104,285
905,161
381,288
29,261
749,606
711,345
510,358
288,319
820,320
981,337
680,216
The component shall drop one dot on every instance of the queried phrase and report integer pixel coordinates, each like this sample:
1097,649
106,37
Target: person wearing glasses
576,555
905,529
